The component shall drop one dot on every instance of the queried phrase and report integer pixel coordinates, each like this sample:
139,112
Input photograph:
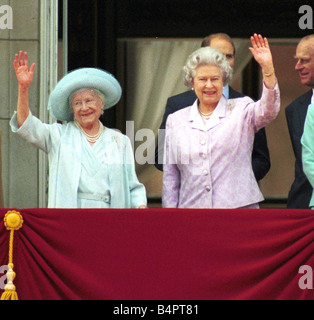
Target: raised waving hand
261,52
24,74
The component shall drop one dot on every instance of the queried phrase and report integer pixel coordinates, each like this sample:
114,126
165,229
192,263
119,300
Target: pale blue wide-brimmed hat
106,83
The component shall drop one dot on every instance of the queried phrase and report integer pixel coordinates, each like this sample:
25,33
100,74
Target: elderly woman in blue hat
90,166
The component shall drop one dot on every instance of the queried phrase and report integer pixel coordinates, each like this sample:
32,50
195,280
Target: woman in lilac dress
209,144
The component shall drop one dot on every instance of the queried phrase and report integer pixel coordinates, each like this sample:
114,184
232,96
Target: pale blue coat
62,143
307,141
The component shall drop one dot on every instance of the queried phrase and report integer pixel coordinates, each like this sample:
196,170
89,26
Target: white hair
98,93
206,56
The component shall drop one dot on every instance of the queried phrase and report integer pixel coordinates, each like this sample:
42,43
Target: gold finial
13,220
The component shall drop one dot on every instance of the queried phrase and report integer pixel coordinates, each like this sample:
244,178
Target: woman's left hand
261,52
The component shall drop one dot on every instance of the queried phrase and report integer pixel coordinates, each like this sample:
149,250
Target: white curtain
154,73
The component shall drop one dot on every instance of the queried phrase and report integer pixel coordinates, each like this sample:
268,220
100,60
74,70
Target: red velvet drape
154,254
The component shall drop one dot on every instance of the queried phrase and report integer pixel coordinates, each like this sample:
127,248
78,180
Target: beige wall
34,30
17,157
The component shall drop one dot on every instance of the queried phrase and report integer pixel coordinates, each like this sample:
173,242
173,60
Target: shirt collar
225,91
219,112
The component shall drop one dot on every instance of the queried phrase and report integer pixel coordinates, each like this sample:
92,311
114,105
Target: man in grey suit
301,189
260,154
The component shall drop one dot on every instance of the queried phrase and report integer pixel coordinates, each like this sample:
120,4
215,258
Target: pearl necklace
89,137
206,116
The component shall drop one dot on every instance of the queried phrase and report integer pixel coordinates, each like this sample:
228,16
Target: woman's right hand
24,74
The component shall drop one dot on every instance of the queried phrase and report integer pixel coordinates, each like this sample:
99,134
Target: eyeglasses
78,104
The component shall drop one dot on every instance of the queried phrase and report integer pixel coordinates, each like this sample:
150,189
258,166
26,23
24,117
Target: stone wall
20,161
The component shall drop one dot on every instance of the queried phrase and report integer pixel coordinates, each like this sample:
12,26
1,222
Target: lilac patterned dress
209,165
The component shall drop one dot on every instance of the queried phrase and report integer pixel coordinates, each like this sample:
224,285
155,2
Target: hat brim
59,104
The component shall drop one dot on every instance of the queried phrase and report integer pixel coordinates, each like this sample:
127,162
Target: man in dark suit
301,189
260,154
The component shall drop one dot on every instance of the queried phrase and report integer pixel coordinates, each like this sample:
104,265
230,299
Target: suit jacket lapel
303,108
234,94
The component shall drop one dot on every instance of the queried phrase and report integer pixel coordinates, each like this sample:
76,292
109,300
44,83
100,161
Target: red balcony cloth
160,254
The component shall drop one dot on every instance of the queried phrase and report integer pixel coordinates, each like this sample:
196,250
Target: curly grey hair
206,56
